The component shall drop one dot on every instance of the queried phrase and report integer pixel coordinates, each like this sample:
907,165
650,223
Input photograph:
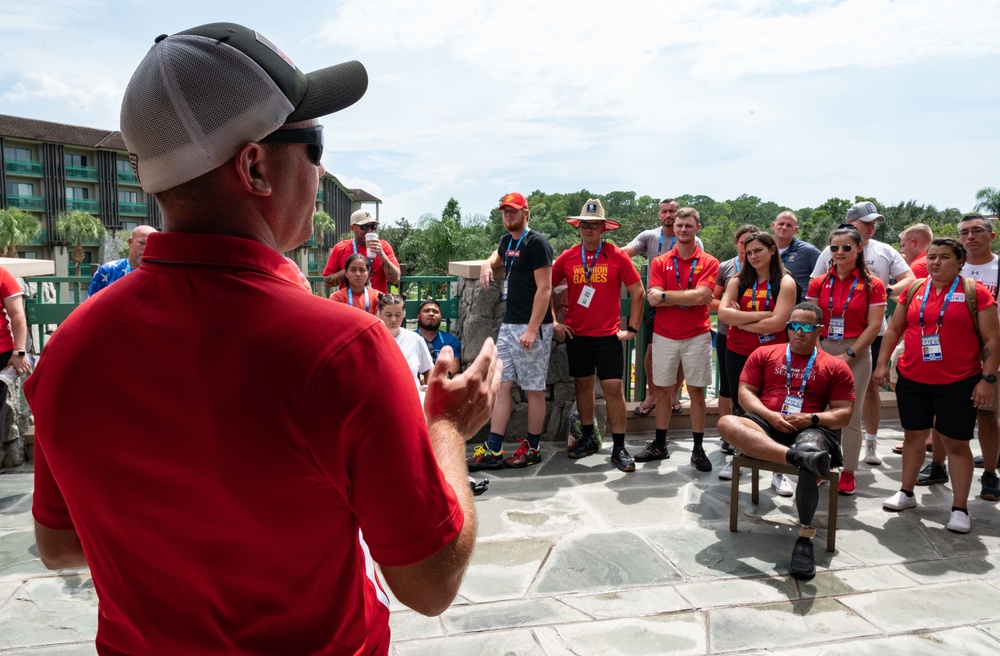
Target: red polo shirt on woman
855,316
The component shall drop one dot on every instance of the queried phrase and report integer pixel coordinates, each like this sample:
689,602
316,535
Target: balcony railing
320,196
40,239
132,209
127,177
22,167
83,204
30,203
81,173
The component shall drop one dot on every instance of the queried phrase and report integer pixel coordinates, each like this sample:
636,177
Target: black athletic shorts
601,354
720,354
948,407
647,324
788,439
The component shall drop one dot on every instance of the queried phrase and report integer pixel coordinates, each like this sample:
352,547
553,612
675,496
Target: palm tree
988,198
16,227
322,224
76,227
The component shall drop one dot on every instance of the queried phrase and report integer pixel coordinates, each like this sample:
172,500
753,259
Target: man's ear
252,169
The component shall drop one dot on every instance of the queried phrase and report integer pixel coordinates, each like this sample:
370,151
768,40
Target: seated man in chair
785,390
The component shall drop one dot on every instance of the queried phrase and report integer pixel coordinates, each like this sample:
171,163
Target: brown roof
29,128
363,196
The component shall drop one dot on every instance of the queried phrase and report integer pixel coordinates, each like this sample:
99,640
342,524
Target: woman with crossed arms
853,302
756,305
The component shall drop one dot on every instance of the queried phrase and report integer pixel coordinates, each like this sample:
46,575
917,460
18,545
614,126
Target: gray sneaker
932,474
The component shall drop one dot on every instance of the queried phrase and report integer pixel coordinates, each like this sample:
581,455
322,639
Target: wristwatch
815,420
990,378
888,291
663,297
632,330
23,353
851,353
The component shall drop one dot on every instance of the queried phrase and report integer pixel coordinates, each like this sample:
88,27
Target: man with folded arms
595,272
786,390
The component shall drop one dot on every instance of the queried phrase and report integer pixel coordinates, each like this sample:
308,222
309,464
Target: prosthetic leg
811,454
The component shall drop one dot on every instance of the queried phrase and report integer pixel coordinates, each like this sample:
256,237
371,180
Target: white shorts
695,354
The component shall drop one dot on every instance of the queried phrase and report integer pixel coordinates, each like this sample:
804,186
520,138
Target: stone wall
480,313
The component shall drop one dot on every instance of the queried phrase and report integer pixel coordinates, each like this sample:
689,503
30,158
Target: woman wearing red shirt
356,290
756,305
941,345
853,301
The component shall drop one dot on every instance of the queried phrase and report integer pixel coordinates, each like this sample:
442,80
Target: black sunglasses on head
311,137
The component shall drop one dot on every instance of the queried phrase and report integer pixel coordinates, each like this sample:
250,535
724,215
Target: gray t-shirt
726,271
654,243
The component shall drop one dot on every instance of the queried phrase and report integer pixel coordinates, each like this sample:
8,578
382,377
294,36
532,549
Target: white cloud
43,87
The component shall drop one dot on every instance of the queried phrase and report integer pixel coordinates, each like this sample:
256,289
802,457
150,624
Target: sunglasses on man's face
846,248
311,137
597,225
369,226
801,327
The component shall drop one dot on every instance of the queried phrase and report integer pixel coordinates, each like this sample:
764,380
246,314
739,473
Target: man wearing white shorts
525,339
682,282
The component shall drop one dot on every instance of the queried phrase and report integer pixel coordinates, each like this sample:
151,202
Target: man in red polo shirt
913,244
219,513
785,390
385,266
681,284
595,272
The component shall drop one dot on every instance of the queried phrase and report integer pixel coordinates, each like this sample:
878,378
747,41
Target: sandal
643,410
677,408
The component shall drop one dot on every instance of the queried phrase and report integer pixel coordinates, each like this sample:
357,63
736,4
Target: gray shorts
528,368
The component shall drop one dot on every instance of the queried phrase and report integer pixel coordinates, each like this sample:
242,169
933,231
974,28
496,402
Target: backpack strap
972,302
912,289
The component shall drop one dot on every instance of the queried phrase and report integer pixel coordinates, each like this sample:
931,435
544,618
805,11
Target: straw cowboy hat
593,211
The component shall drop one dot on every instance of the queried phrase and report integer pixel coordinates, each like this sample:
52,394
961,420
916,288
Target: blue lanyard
677,271
737,264
659,249
767,298
354,245
944,306
788,370
784,256
517,249
850,295
368,301
583,256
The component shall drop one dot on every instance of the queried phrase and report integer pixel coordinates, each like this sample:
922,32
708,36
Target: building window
28,255
75,160
128,197
77,193
129,226
12,154
124,165
20,189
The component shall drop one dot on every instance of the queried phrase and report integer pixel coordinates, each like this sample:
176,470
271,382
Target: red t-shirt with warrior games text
612,269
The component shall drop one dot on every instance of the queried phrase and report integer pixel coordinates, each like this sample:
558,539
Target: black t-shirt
534,252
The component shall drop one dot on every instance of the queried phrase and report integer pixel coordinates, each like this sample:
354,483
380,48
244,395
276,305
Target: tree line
427,247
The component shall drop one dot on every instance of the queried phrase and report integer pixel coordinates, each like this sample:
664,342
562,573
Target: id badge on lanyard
764,339
836,329
503,290
930,346
586,296
792,405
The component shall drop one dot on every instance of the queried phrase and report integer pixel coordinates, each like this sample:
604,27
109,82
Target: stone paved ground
577,558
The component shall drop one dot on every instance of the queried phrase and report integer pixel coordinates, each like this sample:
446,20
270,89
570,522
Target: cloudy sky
795,101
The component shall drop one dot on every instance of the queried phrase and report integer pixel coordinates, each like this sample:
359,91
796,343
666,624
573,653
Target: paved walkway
575,557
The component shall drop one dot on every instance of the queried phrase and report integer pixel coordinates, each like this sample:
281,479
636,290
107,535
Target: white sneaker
727,472
899,501
871,453
781,485
960,522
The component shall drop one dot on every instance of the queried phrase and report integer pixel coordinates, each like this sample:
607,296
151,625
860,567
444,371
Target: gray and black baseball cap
864,211
199,95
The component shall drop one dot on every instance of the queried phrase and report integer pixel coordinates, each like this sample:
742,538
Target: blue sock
532,439
495,443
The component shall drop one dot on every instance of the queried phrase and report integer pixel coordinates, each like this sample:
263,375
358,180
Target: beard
432,324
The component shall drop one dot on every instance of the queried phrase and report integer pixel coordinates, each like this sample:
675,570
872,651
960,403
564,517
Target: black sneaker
991,487
700,460
622,460
588,446
803,565
727,448
932,474
653,452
